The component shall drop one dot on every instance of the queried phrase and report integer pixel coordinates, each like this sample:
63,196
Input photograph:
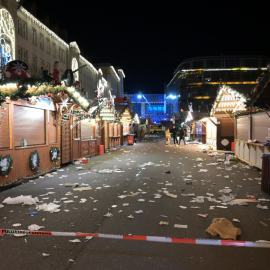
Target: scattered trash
180,226
45,254
236,220
75,241
163,223
202,215
108,215
21,200
263,223
16,224
82,189
51,207
130,216
72,185
183,207
35,227
262,207
224,228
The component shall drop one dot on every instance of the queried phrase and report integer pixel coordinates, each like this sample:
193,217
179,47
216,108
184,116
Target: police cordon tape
213,242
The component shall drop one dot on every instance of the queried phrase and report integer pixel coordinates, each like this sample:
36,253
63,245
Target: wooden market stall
220,126
125,118
110,128
252,126
35,132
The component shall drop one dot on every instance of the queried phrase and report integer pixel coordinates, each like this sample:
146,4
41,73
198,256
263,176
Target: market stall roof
228,101
259,96
123,113
60,94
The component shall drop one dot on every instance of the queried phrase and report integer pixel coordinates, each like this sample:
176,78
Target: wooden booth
35,134
220,126
125,119
110,127
252,126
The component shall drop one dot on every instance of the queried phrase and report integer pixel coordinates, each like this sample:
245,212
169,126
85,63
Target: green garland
23,87
260,88
247,112
34,167
52,153
10,163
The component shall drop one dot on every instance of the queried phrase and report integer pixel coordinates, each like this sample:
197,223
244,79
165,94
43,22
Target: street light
139,96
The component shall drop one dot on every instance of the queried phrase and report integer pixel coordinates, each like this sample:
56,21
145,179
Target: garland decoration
55,154
262,81
27,88
247,112
34,161
6,163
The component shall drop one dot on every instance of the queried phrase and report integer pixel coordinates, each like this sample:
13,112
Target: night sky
148,39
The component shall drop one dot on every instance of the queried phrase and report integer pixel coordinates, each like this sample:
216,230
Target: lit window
34,36
24,29
41,42
48,46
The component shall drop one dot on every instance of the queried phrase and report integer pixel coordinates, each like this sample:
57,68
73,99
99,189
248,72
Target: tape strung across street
145,238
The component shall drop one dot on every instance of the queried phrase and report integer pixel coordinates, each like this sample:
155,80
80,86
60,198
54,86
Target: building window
34,36
41,62
41,42
24,29
63,56
54,50
19,54
24,56
48,46
19,25
3,3
48,66
34,60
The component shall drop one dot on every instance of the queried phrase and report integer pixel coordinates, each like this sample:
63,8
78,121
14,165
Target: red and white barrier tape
145,238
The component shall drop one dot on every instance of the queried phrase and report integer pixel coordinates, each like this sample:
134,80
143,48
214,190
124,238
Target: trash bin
130,139
265,183
101,149
143,134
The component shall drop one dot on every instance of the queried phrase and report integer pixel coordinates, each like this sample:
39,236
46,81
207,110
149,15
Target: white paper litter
21,199
262,207
130,216
180,226
51,207
183,207
203,170
163,223
170,195
108,215
236,220
139,211
75,241
202,215
34,227
45,254
16,224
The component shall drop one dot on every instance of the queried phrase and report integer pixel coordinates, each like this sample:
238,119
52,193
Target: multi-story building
28,39
196,80
115,79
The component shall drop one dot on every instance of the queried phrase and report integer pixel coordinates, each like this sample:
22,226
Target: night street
141,176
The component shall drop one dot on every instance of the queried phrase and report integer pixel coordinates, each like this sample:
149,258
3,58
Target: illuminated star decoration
19,67
64,104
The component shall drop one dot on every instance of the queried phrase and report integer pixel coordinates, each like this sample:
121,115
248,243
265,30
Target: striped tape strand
161,239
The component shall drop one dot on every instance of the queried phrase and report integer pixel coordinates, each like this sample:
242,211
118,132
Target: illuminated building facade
196,80
149,106
26,38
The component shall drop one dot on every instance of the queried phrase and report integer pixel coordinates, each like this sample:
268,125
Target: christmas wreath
5,165
55,154
34,161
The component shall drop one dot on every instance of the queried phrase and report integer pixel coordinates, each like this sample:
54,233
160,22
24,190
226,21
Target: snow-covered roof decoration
227,101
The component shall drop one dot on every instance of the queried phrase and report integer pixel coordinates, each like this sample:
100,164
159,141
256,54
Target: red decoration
16,69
